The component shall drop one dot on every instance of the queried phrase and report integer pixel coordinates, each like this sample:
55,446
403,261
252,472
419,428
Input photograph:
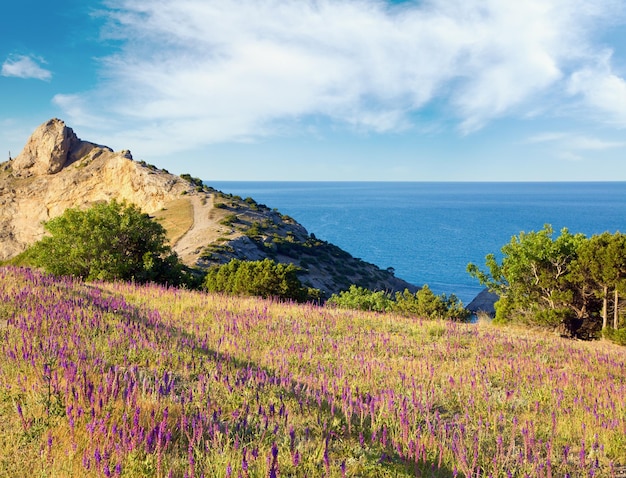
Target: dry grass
121,380
176,218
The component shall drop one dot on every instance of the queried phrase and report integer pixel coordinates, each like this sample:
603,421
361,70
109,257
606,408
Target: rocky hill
56,170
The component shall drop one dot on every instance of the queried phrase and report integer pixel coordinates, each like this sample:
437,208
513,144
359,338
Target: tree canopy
561,282
108,241
265,278
424,303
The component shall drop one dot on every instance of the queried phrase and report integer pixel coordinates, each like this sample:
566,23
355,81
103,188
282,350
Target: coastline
429,231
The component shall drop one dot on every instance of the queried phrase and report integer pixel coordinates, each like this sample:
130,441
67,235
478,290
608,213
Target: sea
429,231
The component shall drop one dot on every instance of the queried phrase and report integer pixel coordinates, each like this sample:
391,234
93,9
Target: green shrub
195,181
361,298
254,230
617,336
264,278
229,220
108,241
424,303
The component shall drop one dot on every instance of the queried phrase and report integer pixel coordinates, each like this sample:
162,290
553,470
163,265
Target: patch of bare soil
204,230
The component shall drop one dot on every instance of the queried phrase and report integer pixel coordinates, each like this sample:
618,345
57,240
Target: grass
121,380
176,218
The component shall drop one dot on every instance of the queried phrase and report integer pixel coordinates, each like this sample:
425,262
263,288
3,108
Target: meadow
116,379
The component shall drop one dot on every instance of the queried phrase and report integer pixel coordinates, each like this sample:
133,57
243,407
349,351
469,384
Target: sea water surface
427,231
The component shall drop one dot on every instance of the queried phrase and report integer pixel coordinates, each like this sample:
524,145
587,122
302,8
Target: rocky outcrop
50,148
484,303
57,170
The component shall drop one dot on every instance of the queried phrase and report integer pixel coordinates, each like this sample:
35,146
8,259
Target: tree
602,261
534,279
108,241
567,281
425,303
265,278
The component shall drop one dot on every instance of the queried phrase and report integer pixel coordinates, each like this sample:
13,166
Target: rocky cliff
56,170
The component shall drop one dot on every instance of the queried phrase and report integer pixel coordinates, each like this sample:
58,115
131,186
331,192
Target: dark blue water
429,232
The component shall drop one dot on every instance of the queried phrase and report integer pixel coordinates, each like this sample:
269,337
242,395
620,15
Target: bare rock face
47,150
484,303
56,170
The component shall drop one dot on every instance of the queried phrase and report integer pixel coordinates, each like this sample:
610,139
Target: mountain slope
56,170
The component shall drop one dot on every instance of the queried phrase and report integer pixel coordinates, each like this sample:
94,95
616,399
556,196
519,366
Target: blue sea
427,231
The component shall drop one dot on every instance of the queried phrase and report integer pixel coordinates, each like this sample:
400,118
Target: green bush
361,298
254,230
264,278
617,336
195,181
229,220
108,241
424,303
565,282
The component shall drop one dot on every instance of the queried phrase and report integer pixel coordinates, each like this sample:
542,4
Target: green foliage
229,220
106,242
264,278
617,336
601,266
504,311
151,167
251,203
558,282
195,181
360,298
254,230
424,303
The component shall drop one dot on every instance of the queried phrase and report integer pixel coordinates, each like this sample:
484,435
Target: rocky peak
56,171
50,148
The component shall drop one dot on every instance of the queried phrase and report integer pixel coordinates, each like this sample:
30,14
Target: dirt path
203,231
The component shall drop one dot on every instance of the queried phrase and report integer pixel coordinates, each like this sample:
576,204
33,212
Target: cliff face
56,170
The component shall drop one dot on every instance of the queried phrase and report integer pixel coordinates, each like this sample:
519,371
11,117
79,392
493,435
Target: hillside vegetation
114,379
57,171
569,282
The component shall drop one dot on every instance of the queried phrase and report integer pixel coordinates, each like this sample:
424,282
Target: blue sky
437,90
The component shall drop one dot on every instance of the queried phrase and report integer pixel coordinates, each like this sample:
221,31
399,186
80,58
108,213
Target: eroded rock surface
56,170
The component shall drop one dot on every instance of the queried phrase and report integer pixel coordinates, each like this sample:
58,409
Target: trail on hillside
203,230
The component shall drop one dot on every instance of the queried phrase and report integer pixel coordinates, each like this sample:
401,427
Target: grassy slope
142,381
177,218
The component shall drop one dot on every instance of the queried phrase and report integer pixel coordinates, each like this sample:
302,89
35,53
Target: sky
327,90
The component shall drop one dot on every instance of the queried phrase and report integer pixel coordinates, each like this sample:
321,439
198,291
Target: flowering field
122,380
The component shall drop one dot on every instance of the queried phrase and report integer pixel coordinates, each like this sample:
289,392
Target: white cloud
602,89
193,72
595,144
576,141
548,137
574,146
21,66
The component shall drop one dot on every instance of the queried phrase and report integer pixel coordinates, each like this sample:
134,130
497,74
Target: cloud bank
21,66
208,71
